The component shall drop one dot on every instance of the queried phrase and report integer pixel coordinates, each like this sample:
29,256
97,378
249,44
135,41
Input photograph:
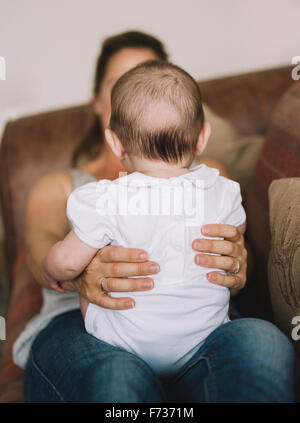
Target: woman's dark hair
91,144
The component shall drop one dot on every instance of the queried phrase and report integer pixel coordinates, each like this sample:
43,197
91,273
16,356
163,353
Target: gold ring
101,285
237,269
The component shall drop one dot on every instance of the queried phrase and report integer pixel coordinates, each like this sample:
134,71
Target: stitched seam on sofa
272,168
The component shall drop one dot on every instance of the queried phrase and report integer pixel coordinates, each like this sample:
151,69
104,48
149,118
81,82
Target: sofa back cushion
279,158
238,153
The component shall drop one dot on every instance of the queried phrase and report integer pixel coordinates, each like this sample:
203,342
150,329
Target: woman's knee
115,377
121,377
263,346
263,336
257,355
38,388
66,364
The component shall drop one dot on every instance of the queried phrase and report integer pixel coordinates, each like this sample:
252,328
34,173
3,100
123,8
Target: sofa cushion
238,153
284,260
279,158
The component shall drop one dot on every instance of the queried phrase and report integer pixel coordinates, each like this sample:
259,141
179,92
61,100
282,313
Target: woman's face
118,64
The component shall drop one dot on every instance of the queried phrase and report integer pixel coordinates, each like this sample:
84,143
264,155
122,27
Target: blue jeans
245,360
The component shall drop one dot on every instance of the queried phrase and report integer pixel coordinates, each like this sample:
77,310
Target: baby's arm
68,258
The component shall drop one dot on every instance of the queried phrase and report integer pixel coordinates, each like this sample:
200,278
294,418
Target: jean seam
209,388
45,378
141,364
202,349
209,385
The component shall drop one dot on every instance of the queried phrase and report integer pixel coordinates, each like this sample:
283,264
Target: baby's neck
158,168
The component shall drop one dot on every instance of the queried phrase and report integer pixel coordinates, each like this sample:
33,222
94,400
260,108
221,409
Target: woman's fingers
229,232
106,301
219,262
126,285
226,248
109,271
231,255
115,254
229,281
96,294
119,270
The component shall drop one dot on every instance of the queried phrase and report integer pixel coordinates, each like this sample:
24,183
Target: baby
156,129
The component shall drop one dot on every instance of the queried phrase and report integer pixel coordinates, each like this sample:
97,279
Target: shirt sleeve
93,225
236,215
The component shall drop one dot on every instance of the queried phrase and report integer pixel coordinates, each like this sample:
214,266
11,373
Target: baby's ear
114,143
203,138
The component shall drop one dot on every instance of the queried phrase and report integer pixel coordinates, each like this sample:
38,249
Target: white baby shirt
162,216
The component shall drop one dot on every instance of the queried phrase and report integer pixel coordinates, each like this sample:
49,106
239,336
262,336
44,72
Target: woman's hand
110,271
233,255
112,268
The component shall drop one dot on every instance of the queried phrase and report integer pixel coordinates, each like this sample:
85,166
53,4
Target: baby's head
157,115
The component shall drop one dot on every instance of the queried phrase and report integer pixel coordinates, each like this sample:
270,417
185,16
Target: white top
162,216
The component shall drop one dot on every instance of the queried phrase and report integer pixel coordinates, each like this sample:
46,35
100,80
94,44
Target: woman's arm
46,221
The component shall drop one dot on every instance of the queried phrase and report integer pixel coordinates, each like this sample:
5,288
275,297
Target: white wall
50,46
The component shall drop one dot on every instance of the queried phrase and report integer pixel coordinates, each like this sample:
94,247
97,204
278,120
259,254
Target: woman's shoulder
56,180
80,177
64,180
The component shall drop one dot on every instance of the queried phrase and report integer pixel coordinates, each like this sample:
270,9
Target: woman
245,360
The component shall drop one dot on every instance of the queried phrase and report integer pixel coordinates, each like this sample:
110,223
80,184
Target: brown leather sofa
35,145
